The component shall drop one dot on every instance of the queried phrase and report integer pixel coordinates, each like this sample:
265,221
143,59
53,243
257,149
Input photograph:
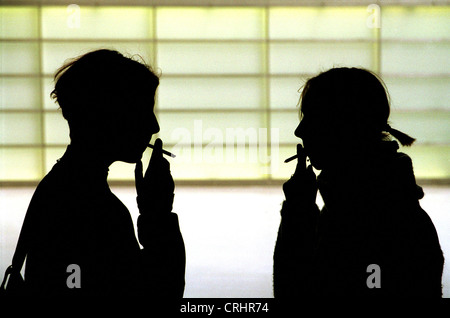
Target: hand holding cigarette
155,189
301,188
162,150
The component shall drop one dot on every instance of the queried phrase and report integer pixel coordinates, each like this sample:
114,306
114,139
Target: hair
101,82
355,97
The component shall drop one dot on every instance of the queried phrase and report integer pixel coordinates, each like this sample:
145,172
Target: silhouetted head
344,111
108,101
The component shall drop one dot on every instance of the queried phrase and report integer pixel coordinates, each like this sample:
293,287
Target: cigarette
163,151
291,158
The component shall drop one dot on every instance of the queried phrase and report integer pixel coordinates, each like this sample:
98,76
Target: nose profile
299,130
154,125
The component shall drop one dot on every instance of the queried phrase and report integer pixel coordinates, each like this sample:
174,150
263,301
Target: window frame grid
265,75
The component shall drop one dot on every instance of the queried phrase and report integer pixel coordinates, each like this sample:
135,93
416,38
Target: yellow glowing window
225,71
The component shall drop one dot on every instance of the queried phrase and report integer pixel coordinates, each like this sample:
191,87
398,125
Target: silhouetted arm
294,250
296,236
163,256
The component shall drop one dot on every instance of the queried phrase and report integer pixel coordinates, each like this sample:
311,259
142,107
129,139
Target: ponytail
403,138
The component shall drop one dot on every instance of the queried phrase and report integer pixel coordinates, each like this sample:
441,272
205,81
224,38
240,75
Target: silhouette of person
80,236
371,238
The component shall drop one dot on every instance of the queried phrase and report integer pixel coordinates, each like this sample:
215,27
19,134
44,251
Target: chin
316,164
132,158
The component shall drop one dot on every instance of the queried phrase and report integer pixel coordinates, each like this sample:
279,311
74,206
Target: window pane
18,22
84,22
319,23
208,58
20,128
429,161
210,23
19,58
19,93
204,128
211,162
426,127
415,58
415,22
296,58
284,92
419,93
215,162
20,164
217,81
56,129
213,93
281,170
56,53
286,123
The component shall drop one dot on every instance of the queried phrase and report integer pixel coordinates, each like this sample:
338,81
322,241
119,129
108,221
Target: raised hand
155,189
301,188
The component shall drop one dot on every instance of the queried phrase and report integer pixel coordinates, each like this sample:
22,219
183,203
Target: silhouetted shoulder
80,223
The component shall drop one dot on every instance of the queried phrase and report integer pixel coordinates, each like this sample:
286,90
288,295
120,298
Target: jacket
81,241
371,239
